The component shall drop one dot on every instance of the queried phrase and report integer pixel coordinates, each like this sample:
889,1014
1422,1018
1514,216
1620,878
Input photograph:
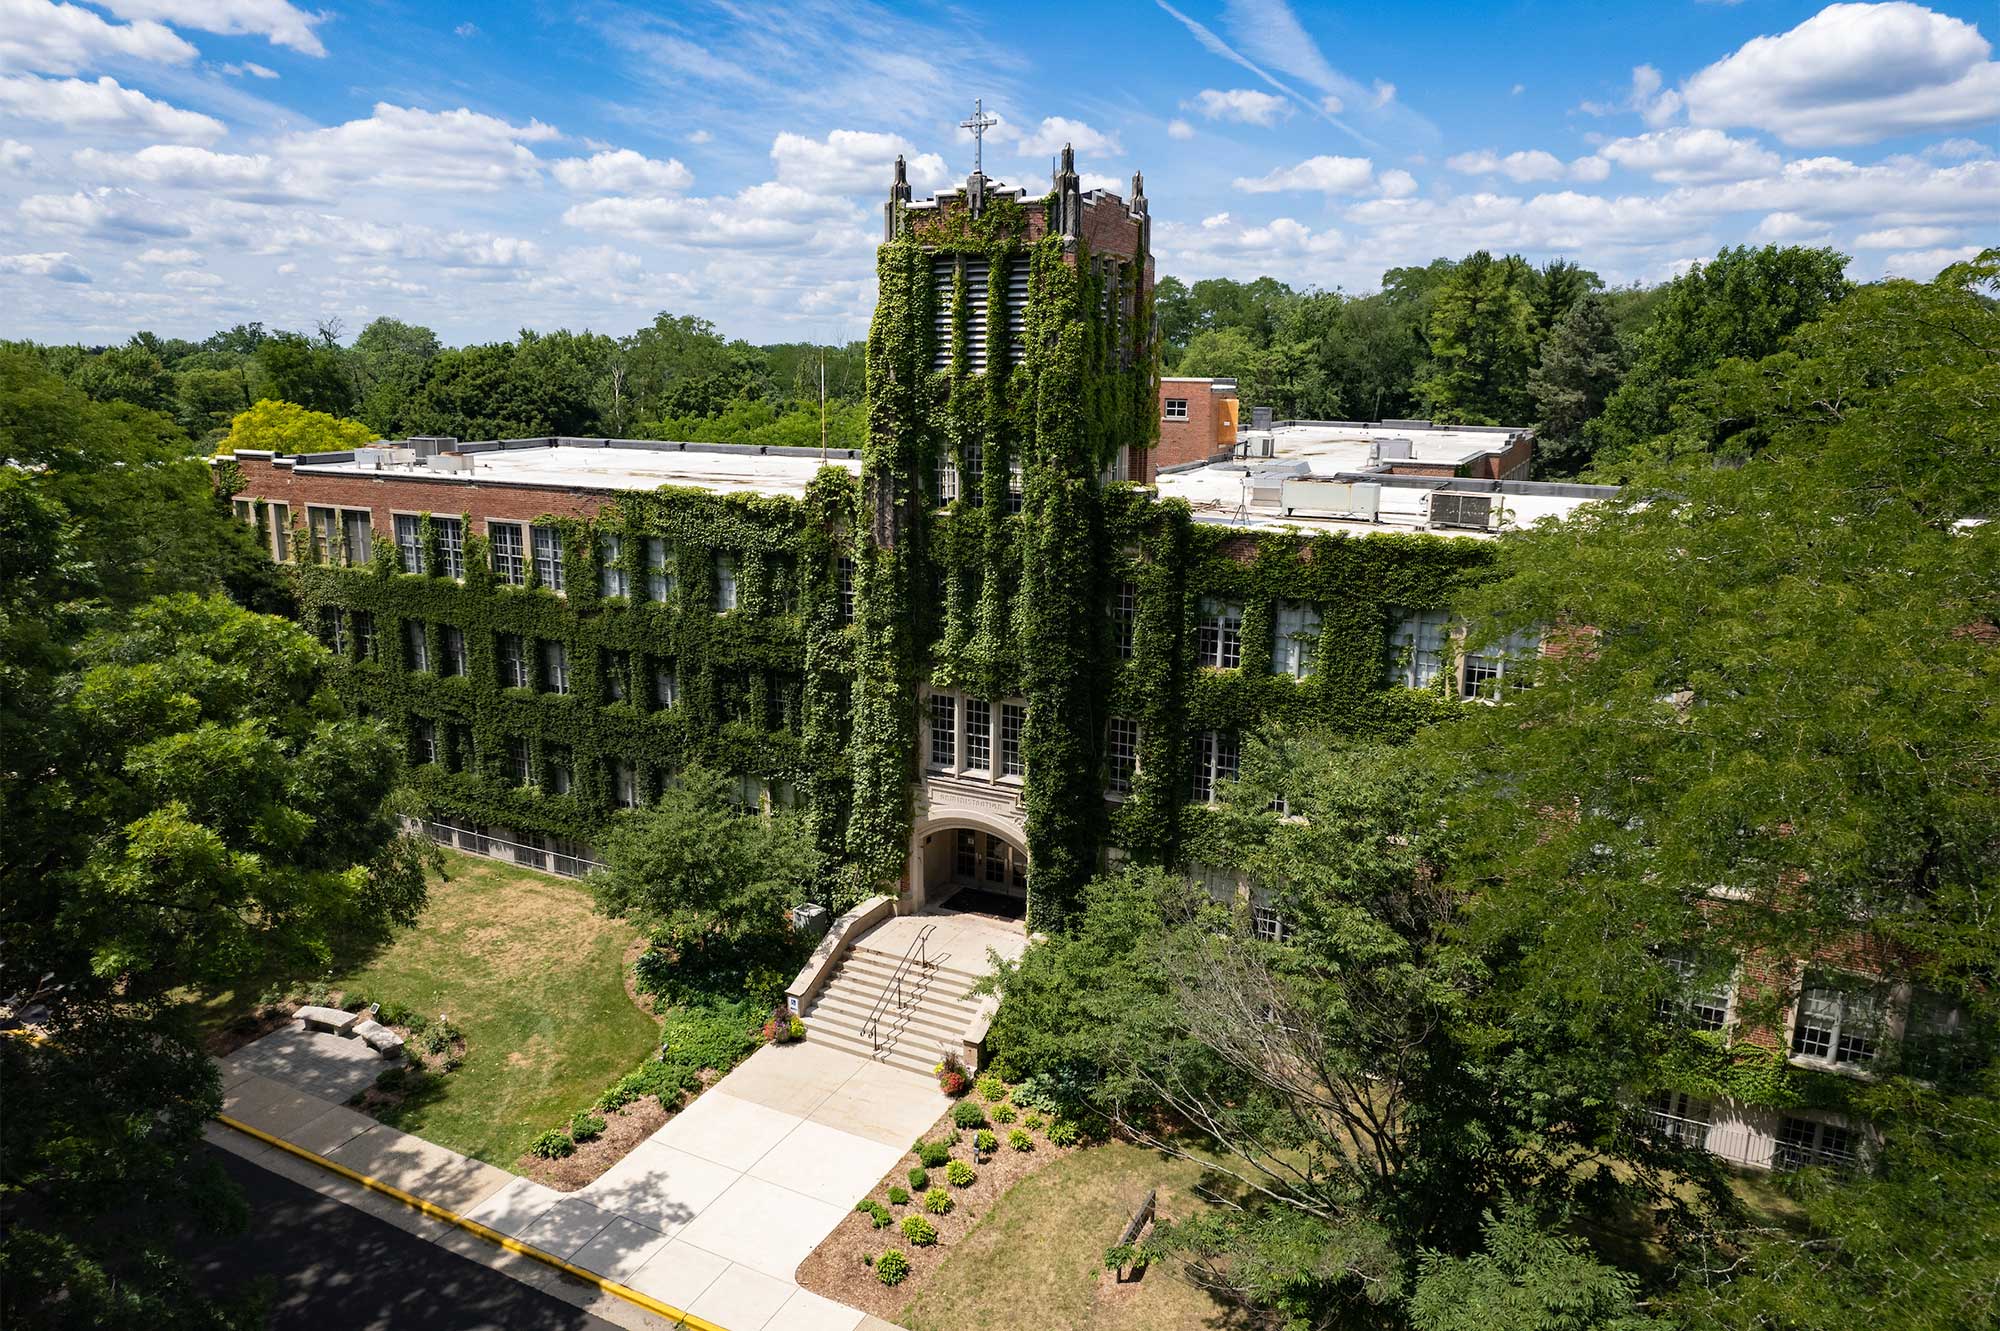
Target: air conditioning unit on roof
1471,512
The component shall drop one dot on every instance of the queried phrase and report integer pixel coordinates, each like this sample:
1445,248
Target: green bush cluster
1064,1132
968,1114
876,1212
934,1154
919,1231
586,1127
991,1089
985,1142
437,1036
555,1144
920,1178
938,1202
891,1268
899,1196
1021,1141
1004,1114
960,1174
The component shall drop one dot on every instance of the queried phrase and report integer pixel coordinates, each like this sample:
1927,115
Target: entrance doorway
970,869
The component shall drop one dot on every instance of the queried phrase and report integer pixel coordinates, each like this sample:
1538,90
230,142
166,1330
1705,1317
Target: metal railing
476,840
917,953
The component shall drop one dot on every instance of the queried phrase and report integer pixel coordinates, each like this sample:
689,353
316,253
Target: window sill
1852,1071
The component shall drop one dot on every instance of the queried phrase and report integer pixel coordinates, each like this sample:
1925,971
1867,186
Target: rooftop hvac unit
1342,499
1258,446
429,445
1260,418
374,459
1392,450
1475,512
450,462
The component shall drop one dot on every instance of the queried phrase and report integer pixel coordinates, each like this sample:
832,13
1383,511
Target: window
560,774
1937,1041
416,646
359,535
666,686
245,510
659,570
625,785
1122,754
1836,1025
323,534
1269,923
1219,884
1013,719
1215,762
423,741
978,735
509,561
1014,492
1679,1117
513,659
336,632
458,745
725,583
1175,409
1806,1141
549,557
965,855
1298,635
452,640
1220,644
364,635
611,580
1125,618
1418,649
946,481
450,534
1700,994
748,796
1485,668
971,469
846,590
555,666
944,730
617,670
280,516
409,543
517,761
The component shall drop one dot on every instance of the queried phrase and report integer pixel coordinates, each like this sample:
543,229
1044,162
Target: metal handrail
918,951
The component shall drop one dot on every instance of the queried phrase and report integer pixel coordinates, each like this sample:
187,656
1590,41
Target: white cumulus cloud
850,161
59,266
1179,129
1245,105
1529,164
180,166
622,171
1327,175
1048,138
282,23
105,106
400,147
49,38
1691,156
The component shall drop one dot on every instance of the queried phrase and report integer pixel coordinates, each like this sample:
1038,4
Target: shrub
615,1099
992,1089
1038,1093
968,1114
1033,1122
395,1014
920,1178
986,1142
938,1202
934,1154
891,1267
919,1231
899,1196
554,1144
784,1028
437,1035
953,1079
798,1028
1020,1140
876,1212
1004,1114
586,1127
707,1037
959,1174
1064,1132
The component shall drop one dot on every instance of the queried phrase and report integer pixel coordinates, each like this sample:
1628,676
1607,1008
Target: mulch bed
623,1129
836,1270
249,1029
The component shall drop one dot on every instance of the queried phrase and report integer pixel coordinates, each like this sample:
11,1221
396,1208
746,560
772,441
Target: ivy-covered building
997,647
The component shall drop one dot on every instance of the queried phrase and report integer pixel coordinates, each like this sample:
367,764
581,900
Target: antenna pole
822,406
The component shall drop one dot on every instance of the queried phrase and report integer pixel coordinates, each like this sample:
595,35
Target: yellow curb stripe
674,1315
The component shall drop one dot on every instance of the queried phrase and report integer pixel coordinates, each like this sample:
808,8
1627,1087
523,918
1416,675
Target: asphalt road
334,1268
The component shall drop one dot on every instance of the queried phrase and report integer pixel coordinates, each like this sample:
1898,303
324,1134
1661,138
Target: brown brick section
1200,436
383,495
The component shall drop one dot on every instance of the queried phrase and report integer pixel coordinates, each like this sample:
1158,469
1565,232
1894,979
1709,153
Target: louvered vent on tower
943,268
1017,308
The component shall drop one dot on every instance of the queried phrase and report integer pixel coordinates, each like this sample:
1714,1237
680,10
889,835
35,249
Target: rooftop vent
429,445
1392,450
1260,418
1474,512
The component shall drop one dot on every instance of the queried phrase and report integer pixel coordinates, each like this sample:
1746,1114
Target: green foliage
899,1196
1004,1113
437,1036
1526,1279
1483,341
937,1201
985,1142
1021,1141
991,1089
878,1215
934,1154
919,1177
586,1126
967,1114
919,1231
892,1267
555,1144
1581,366
284,427
960,1174
1062,1132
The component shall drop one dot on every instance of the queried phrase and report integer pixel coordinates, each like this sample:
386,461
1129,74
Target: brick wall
393,493
1207,431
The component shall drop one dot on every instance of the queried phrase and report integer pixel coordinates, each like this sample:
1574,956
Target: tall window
416,646
1220,641
1807,1141
364,635
1215,762
336,629
1488,666
1013,719
725,583
617,670
519,771
450,534
1937,1041
409,543
1014,493
245,510
978,735
512,655
666,685
458,745
1297,636
280,517
452,641
1125,618
555,665
323,534
846,590
359,534
1839,1025
1700,996
944,730
423,741
1122,754
558,769
1417,648
611,580
971,470
549,557
625,785
510,562
1268,921
659,570
1175,409
946,481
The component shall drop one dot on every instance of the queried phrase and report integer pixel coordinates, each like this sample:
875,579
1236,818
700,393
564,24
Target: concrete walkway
713,1213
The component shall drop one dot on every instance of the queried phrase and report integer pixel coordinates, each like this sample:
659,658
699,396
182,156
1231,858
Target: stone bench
378,1037
332,1019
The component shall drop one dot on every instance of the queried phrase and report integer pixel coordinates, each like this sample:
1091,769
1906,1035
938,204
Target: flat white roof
604,465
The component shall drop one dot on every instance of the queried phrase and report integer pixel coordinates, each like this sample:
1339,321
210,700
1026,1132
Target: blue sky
182,165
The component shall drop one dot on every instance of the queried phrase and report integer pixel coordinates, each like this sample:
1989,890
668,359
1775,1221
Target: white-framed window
978,735
1219,643
625,785
846,590
559,769
451,640
659,570
451,546
611,579
1015,494
423,741
725,583
1121,753
364,634
944,730
971,470
946,481
617,669
245,510
666,685
1837,1023
1013,720
1700,997
549,557
511,654
1937,1040
510,560
1216,757
1417,649
1803,1142
357,531
409,542
1487,667
279,516
1220,885
1679,1117
555,665
1174,409
748,794
336,624
1297,638
1268,920
416,646
1125,618
519,768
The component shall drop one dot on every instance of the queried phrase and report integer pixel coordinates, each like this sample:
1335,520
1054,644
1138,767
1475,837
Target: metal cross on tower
979,124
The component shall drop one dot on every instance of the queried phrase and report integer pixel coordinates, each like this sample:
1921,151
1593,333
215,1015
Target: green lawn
1035,1261
522,965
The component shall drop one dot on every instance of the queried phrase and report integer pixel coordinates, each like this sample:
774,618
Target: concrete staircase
914,1035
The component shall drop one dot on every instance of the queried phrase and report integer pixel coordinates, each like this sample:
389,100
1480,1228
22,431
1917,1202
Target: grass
1035,1262
521,964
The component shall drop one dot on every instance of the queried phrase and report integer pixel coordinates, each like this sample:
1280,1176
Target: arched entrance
968,864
